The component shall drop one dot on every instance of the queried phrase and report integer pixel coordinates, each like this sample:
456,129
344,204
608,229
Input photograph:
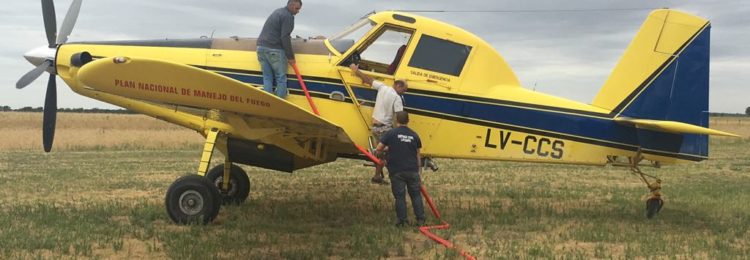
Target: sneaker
402,224
420,223
378,180
369,164
429,163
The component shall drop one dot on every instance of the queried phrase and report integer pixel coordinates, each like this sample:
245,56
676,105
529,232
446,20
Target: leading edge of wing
167,82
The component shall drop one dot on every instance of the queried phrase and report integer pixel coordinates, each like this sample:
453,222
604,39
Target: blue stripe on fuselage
582,128
292,84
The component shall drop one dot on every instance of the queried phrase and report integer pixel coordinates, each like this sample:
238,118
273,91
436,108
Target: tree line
68,110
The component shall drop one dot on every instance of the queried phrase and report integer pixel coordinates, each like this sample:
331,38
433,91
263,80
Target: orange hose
304,88
368,154
424,229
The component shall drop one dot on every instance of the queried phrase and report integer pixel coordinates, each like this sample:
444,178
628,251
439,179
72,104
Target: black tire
653,206
239,183
192,199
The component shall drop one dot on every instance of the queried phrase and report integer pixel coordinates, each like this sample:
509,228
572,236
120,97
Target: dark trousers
400,183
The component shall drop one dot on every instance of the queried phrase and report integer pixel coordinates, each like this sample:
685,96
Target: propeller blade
50,113
32,75
50,21
69,22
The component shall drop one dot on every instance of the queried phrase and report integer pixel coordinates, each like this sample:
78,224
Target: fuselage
478,112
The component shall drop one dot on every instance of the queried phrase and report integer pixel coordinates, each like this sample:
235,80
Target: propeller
50,114
44,59
32,75
50,22
68,22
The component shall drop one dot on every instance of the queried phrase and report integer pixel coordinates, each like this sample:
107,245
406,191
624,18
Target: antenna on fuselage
533,10
368,14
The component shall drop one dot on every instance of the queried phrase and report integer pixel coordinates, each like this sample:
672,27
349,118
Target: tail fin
663,76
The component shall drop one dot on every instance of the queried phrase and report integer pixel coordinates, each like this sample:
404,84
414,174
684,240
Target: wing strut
315,110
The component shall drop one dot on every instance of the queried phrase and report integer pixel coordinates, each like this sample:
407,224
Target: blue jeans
273,63
400,183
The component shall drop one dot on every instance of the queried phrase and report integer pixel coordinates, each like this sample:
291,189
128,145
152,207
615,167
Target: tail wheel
239,183
653,206
192,199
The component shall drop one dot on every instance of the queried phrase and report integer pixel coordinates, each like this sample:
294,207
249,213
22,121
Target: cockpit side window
383,52
346,39
440,55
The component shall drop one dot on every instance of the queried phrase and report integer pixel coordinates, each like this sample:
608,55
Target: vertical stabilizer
663,75
662,39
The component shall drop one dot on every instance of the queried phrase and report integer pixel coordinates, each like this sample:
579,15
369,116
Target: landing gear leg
231,181
193,198
654,203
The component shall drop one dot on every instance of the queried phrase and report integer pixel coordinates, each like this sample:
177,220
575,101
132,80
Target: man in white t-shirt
387,103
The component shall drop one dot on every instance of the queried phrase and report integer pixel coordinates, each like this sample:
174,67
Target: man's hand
292,62
365,79
379,149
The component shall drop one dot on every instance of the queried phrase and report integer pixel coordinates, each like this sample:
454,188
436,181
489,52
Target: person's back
387,102
275,28
275,47
403,167
403,146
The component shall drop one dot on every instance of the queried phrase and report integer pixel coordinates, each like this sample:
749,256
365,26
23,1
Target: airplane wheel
239,183
192,199
653,206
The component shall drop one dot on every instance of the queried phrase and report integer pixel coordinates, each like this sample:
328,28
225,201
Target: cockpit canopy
421,49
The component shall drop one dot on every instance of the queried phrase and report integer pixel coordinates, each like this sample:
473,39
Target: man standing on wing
404,160
387,102
275,47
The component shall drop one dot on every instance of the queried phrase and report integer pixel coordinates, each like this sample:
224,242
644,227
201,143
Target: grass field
103,198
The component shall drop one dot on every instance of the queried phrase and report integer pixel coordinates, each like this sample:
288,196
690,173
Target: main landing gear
196,199
239,183
192,199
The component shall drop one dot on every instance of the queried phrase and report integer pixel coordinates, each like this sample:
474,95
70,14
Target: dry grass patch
22,131
107,202
736,125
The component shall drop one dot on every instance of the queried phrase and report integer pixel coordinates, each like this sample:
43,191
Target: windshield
343,41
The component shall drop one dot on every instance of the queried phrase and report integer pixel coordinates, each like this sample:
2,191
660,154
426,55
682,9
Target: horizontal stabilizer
670,127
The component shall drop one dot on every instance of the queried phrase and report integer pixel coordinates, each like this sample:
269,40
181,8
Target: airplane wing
670,126
253,114
167,82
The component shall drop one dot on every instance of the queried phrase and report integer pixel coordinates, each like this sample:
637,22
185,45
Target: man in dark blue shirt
275,47
403,167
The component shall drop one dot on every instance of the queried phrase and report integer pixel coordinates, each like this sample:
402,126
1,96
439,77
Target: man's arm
379,149
365,78
419,159
287,25
419,152
398,105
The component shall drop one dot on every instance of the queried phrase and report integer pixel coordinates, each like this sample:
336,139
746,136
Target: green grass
108,203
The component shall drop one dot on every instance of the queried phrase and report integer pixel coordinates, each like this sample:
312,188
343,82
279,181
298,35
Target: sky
555,47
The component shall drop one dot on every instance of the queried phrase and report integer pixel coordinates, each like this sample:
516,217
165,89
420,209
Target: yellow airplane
465,100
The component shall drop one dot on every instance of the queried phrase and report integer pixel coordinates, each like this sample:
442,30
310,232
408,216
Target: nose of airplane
39,55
